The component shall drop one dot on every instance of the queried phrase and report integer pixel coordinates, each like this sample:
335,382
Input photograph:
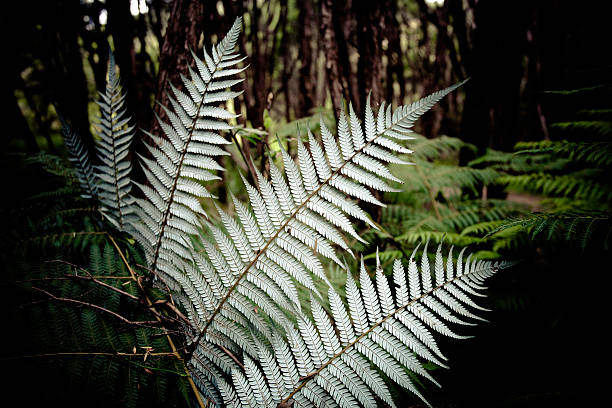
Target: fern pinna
251,340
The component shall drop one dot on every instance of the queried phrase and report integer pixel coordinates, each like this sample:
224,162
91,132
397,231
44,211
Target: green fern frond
594,127
566,185
439,147
51,164
568,226
413,237
482,228
448,179
513,163
596,153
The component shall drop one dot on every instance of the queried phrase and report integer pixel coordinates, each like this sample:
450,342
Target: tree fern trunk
370,22
183,31
333,55
307,68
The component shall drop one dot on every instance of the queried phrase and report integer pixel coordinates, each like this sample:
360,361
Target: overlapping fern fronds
442,199
109,181
237,278
261,255
596,153
76,335
64,216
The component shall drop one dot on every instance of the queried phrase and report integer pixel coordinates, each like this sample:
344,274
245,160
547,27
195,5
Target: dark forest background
307,56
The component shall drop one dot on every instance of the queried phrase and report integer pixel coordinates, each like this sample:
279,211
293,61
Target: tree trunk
138,85
370,23
334,48
61,56
491,109
182,35
395,67
307,62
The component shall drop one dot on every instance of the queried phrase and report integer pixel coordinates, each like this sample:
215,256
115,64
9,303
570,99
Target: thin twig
106,285
92,354
94,306
172,307
232,356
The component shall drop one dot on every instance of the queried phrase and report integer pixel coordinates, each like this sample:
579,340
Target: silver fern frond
116,134
80,160
335,357
184,157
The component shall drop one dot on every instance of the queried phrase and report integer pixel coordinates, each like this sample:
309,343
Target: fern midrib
282,228
313,374
178,171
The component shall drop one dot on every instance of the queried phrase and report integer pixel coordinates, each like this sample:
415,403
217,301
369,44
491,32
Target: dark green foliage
76,348
572,178
442,200
558,192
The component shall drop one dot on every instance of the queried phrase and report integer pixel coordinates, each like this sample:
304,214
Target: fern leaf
79,157
116,136
384,330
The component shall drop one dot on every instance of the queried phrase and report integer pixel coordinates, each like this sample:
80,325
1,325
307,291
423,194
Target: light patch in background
138,7
103,17
434,2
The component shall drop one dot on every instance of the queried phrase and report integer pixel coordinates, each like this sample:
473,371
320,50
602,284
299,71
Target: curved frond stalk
305,214
184,157
394,332
79,157
116,134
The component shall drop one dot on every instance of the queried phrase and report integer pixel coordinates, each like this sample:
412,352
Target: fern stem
66,234
248,162
66,277
116,183
313,374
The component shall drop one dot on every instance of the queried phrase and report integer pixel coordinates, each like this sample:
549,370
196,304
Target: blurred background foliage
514,165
